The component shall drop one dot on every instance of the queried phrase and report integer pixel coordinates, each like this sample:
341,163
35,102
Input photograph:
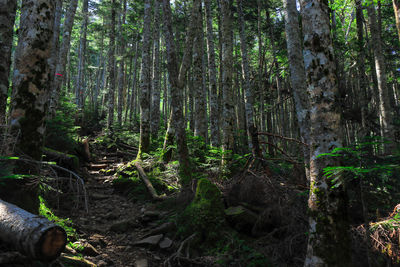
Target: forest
199,133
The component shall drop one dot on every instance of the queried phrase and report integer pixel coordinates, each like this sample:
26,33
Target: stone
165,243
122,226
142,263
101,263
149,241
241,218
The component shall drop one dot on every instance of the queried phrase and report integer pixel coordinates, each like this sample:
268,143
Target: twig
282,137
147,183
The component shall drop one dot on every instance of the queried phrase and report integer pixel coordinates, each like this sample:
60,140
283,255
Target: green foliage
61,132
67,224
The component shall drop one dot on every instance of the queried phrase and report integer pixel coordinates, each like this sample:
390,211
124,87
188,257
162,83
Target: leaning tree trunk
32,235
298,77
7,18
144,144
212,74
31,82
328,243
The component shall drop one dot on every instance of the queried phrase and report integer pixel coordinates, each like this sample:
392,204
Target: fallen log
147,183
34,236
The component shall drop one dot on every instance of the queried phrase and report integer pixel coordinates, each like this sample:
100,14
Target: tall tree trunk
200,98
396,8
134,79
79,83
328,243
145,83
298,77
212,74
227,68
177,79
121,72
31,82
248,94
155,111
385,112
111,69
7,19
62,57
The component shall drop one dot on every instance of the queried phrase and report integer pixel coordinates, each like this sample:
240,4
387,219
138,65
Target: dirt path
113,223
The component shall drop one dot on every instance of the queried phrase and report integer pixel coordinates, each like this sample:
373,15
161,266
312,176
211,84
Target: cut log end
52,243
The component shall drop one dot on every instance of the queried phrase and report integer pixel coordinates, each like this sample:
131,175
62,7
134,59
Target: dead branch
147,183
283,137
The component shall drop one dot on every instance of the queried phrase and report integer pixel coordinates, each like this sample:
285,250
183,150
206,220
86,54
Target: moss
205,215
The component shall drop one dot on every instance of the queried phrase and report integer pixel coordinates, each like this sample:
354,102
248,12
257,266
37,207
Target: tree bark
248,93
62,57
200,100
145,83
155,111
7,19
328,243
385,112
121,72
298,77
227,73
111,69
212,74
33,236
31,82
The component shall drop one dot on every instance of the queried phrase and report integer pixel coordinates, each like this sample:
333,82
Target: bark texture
111,69
396,8
155,110
145,83
62,56
32,235
31,82
328,243
200,100
7,18
227,73
212,76
385,113
298,76
121,72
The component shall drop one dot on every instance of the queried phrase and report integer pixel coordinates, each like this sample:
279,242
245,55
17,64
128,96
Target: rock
89,250
101,263
162,229
241,218
98,196
152,214
151,241
122,226
142,263
165,243
97,240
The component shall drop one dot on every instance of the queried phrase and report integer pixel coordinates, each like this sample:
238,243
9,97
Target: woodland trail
113,223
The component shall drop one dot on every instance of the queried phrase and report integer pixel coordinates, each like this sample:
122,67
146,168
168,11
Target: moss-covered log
34,236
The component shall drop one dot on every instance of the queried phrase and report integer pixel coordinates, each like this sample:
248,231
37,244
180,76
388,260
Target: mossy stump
204,216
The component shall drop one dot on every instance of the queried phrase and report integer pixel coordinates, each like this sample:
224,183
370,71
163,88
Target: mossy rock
204,215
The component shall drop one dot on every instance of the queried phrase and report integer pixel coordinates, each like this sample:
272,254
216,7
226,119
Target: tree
111,68
227,73
7,18
298,76
145,84
396,8
328,243
121,72
31,81
212,74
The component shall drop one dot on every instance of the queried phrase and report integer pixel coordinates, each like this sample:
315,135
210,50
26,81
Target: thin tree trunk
121,72
156,92
385,113
111,69
227,69
7,19
31,81
248,94
328,243
298,77
62,57
145,83
199,94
